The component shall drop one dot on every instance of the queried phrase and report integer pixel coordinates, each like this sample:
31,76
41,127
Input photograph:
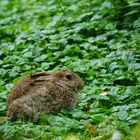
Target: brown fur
43,93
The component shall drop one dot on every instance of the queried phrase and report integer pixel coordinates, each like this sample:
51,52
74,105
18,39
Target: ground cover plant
97,39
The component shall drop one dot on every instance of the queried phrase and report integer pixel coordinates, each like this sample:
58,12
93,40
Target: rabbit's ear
38,74
18,90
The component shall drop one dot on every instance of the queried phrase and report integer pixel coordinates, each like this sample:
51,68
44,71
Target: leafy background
97,39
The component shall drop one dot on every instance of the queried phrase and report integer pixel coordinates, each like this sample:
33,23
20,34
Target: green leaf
41,58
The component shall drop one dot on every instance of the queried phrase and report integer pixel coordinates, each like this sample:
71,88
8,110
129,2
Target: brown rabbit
43,93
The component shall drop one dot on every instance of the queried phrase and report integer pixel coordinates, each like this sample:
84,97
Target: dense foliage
97,39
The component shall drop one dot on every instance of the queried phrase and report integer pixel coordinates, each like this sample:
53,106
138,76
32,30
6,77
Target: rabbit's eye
68,76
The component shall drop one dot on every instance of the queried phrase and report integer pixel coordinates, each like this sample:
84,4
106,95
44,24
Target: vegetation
97,39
